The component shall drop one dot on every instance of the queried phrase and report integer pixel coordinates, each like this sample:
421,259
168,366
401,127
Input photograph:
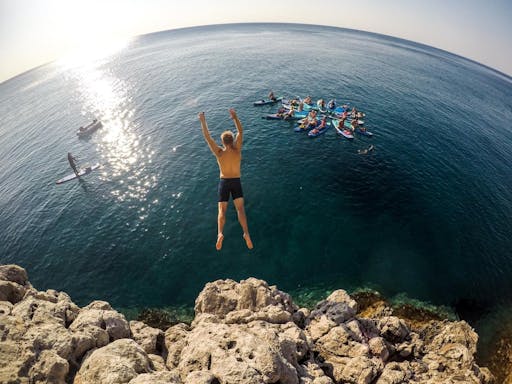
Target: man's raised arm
206,133
239,128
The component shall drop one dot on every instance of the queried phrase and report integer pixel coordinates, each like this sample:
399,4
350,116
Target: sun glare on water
106,97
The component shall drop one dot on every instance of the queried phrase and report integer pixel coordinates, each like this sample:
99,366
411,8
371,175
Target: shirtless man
228,157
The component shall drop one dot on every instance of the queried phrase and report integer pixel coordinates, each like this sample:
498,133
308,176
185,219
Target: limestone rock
247,332
42,350
319,326
311,373
340,342
338,307
157,378
413,347
15,359
201,377
270,314
379,348
247,301
14,273
175,341
5,308
300,317
39,308
454,333
101,315
50,336
49,368
359,370
117,362
395,373
452,351
258,352
393,329
11,292
150,339
158,362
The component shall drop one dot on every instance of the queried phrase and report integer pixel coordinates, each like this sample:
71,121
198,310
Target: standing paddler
72,162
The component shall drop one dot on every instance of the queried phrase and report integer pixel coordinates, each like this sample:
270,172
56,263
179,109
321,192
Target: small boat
90,128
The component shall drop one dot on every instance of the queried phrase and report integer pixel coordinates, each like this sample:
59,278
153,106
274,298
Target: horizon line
497,71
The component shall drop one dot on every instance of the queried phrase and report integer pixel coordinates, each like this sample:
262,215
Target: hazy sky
33,32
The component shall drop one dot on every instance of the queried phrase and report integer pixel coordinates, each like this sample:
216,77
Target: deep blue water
427,213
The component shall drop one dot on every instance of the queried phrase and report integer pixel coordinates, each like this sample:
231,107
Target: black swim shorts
230,186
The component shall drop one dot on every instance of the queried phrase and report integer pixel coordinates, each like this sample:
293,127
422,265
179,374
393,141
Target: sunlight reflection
124,153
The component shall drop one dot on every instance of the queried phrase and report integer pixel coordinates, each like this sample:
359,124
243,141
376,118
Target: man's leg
242,219
221,220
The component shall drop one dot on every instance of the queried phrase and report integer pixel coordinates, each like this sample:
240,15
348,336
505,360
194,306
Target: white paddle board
81,172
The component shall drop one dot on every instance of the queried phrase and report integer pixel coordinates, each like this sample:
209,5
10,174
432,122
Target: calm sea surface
428,213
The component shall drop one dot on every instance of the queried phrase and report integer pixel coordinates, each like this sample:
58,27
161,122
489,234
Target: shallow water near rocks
427,213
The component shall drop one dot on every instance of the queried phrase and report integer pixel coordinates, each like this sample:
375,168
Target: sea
427,214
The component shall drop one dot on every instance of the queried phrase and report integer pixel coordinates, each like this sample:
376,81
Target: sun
88,30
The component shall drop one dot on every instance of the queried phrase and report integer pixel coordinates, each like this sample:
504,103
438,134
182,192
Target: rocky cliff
243,332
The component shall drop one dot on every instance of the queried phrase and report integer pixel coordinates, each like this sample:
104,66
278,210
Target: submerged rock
243,332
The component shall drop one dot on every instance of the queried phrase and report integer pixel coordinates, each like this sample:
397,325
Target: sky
35,32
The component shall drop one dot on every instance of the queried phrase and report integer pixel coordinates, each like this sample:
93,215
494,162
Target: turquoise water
428,213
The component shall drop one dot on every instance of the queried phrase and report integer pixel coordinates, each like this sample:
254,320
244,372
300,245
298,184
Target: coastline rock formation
243,332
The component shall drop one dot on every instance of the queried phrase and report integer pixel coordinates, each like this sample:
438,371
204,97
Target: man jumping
228,157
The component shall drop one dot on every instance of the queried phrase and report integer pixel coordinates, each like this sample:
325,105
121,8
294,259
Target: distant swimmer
229,158
72,162
365,151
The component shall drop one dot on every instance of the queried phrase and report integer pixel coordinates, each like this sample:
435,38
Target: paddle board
81,172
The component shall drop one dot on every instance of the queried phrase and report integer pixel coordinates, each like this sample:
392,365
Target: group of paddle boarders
314,124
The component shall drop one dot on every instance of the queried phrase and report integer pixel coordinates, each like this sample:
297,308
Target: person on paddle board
354,124
72,162
365,151
229,158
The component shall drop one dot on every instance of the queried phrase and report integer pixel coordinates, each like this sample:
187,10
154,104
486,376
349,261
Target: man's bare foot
248,241
220,237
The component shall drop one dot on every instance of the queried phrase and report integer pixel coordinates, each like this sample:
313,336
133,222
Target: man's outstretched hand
201,116
232,113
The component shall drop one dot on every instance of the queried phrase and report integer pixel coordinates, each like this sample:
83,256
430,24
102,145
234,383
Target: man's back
229,160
